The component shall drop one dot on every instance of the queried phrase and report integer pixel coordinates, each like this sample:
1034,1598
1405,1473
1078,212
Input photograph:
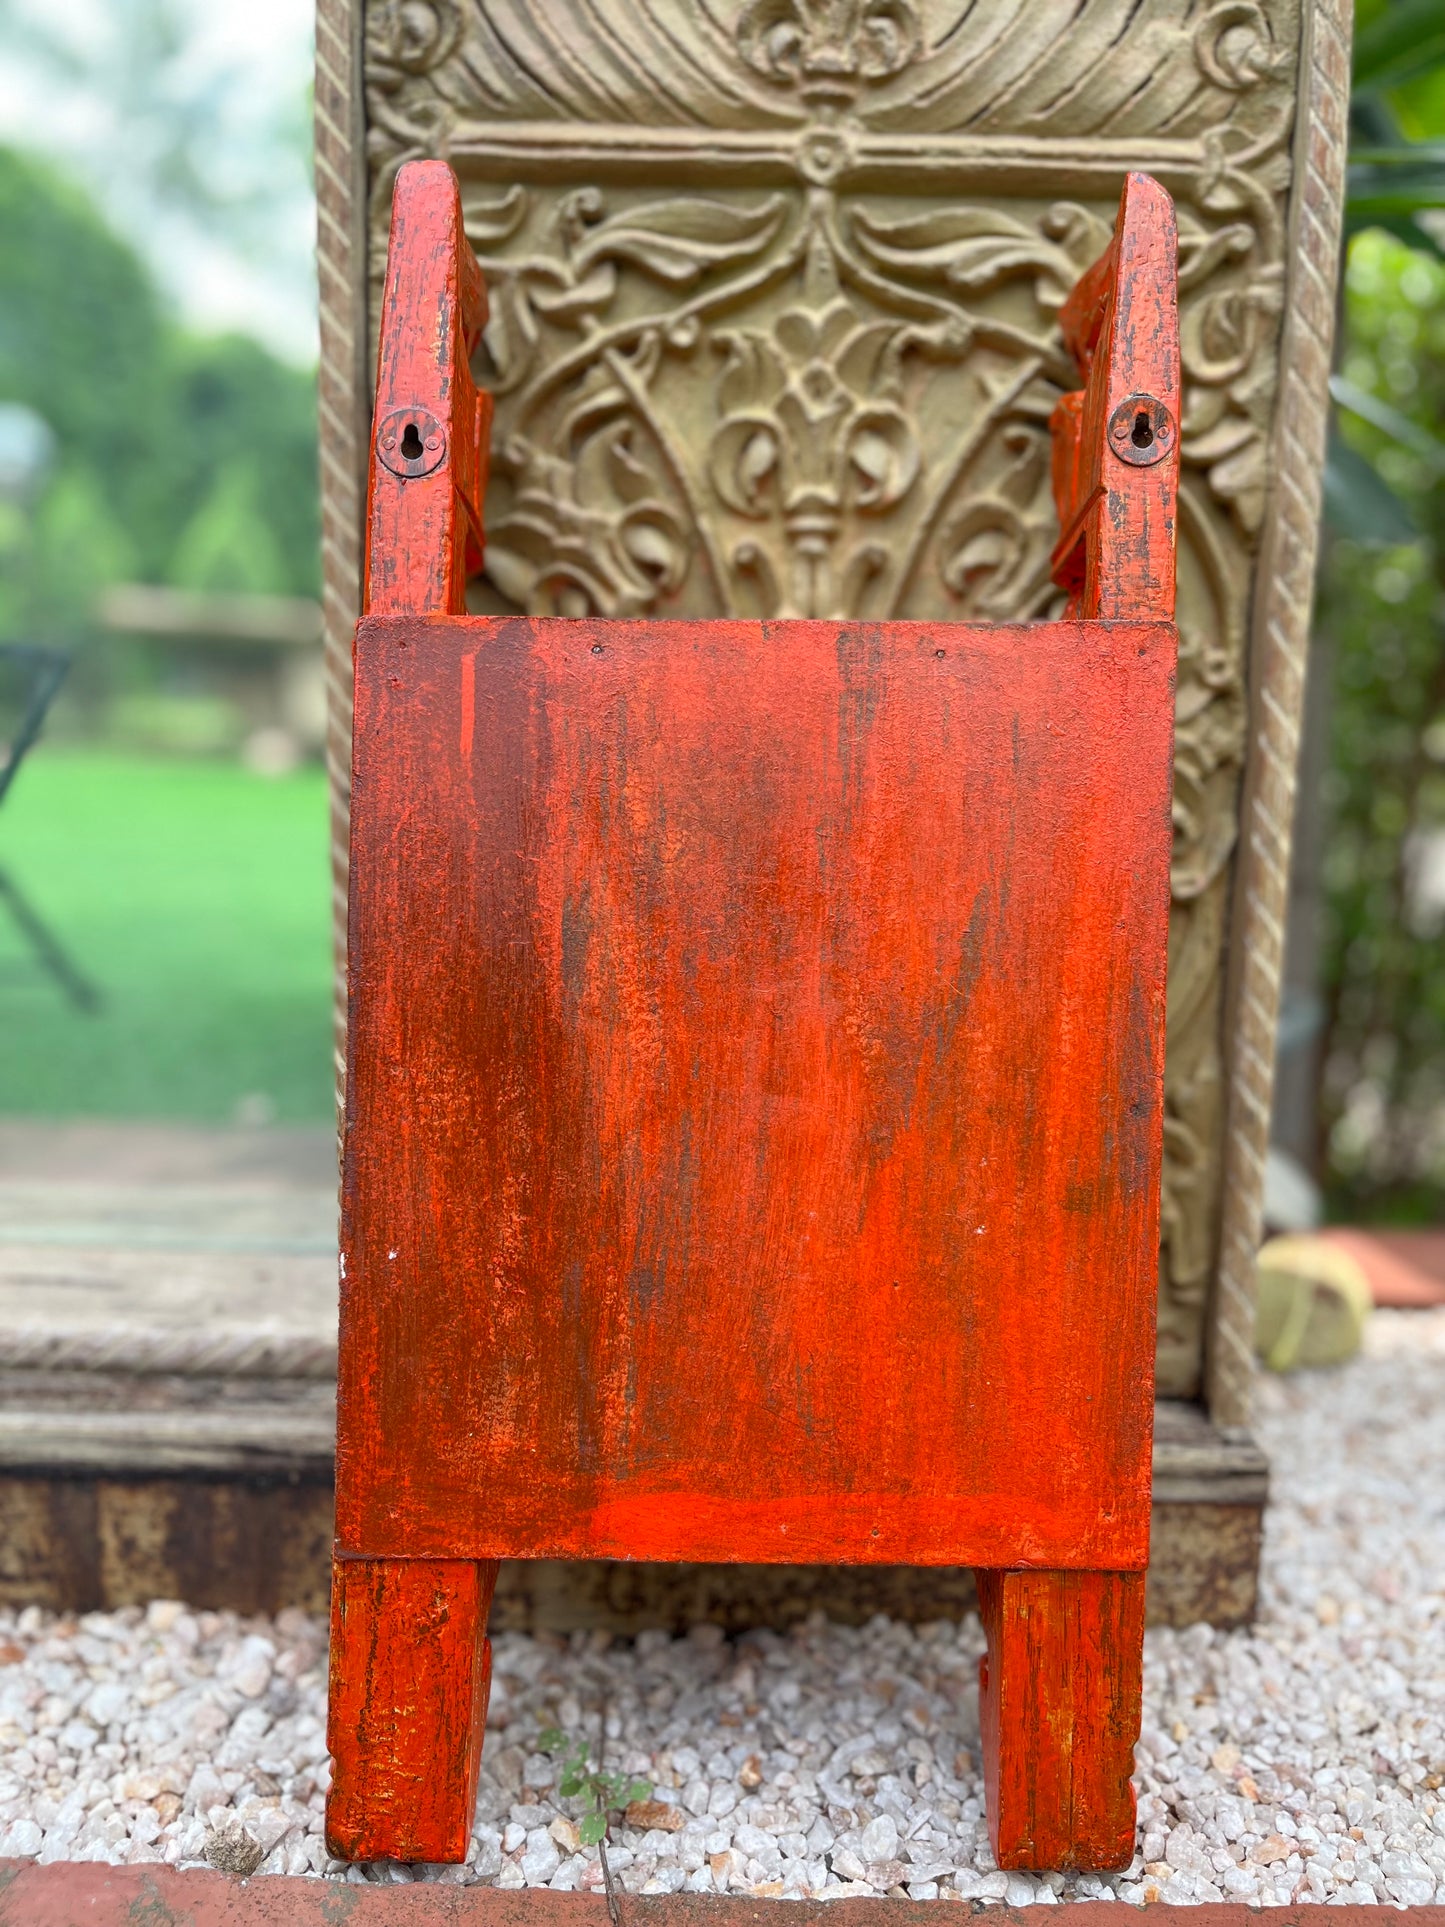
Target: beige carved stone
774,294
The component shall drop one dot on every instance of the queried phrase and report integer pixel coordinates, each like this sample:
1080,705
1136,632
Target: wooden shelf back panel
754,1100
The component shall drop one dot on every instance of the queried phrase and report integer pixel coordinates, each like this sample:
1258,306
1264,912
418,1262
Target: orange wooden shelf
754,1086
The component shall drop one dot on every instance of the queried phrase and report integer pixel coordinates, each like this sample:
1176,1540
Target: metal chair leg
48,949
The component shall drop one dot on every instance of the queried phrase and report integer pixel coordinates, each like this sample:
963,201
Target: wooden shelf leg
1060,1694
411,1666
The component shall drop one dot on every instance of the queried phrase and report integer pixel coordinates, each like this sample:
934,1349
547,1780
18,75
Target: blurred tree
1397,122
243,413
157,431
1383,1048
1381,1051
201,159
228,547
80,334
129,62
77,546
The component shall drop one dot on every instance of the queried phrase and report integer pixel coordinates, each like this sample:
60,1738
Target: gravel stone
231,1849
541,1859
1301,1760
879,1839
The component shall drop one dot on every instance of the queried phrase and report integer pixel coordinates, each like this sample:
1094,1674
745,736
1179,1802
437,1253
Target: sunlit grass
194,895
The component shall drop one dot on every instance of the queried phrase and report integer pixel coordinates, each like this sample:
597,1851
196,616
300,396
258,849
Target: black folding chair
36,674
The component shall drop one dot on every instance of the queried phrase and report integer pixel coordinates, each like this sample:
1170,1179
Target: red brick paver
73,1894
1406,1269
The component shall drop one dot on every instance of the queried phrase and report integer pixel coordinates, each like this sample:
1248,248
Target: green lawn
195,895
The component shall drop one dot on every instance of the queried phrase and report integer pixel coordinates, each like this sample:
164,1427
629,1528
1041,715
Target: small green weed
606,1793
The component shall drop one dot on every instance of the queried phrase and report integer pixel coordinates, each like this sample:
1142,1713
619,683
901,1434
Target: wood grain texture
76,1544
92,1538
754,1098
754,1091
1060,1696
1283,604
410,1671
424,531
953,154
345,378
1116,552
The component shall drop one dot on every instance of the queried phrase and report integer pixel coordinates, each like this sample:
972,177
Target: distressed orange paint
411,1667
754,1110
1059,1713
1116,550
424,512
755,1087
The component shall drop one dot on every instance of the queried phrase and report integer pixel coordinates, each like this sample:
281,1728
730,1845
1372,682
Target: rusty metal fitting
410,442
1142,431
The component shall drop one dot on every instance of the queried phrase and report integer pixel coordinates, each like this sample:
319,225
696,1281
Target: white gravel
1300,1761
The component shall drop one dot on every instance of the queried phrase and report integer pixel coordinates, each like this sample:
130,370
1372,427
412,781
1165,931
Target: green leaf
591,1828
1397,154
572,1784
553,1739
1406,39
1392,179
1389,421
1378,200
1405,227
1405,181
639,1790
1359,502
1374,122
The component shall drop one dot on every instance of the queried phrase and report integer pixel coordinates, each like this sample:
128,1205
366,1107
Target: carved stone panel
774,295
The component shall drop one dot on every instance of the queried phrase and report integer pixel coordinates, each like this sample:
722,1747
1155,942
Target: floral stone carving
774,293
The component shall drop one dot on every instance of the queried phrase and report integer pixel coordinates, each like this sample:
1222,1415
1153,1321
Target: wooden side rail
410,1710
755,1087
431,433
1116,440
